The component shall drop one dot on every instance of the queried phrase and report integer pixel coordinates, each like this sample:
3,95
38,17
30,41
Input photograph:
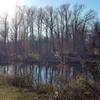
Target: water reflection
45,74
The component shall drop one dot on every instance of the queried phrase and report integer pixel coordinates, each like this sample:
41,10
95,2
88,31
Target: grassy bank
10,92
75,89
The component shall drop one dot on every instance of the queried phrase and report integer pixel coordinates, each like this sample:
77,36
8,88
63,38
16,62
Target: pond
46,74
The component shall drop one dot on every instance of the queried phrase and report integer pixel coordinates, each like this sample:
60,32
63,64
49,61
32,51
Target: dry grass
9,92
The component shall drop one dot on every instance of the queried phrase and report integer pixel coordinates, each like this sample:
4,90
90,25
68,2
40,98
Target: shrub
20,81
79,89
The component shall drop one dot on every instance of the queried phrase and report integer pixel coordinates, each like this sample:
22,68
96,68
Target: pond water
46,74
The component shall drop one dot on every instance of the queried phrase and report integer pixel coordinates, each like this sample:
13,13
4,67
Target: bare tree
79,29
51,23
96,38
32,27
15,28
4,36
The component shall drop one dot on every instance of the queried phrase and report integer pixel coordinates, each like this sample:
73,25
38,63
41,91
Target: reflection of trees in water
45,74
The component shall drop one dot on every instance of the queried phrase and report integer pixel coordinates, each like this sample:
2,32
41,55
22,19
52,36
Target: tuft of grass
12,93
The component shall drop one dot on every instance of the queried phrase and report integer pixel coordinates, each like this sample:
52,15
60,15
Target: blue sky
89,4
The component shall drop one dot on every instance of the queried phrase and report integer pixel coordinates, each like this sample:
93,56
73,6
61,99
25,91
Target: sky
89,4
10,5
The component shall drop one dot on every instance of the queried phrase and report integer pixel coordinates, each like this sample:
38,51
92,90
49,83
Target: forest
42,33
50,53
